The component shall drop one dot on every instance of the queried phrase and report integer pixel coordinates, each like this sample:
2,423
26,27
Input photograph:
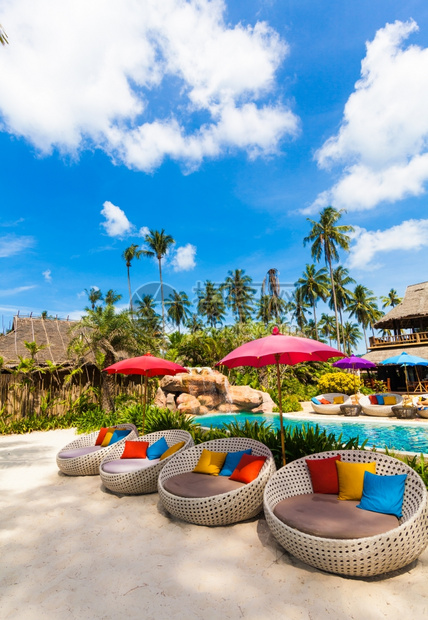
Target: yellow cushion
109,434
338,400
210,462
172,450
389,400
351,478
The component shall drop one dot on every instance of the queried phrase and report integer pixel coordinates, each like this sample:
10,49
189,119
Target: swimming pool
409,437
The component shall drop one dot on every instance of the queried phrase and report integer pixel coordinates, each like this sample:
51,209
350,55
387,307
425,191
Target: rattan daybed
225,508
379,410
360,557
331,409
143,474
423,413
88,463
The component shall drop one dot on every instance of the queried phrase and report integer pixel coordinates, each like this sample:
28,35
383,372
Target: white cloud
47,275
83,74
411,235
117,224
184,258
12,244
382,143
143,231
9,292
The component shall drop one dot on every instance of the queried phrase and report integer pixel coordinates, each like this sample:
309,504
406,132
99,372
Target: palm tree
351,336
128,256
147,317
326,238
111,297
392,299
362,306
342,280
314,286
159,243
327,325
178,308
211,304
94,295
194,324
297,307
272,289
3,36
239,294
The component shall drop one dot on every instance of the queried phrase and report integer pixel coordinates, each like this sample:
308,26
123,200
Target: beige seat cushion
326,516
200,485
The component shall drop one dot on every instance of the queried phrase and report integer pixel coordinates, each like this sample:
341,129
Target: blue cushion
118,434
156,450
231,462
380,400
383,493
315,400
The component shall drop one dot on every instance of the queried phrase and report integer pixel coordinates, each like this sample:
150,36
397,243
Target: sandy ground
70,549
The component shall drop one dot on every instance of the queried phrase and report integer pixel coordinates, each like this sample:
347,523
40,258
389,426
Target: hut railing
399,340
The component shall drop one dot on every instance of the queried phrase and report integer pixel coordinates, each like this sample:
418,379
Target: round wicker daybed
142,475
357,557
221,509
331,409
384,411
423,413
87,463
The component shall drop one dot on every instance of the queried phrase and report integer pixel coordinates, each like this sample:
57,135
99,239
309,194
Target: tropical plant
362,306
342,280
239,294
274,304
178,308
34,348
351,337
147,317
111,297
314,286
391,300
327,326
159,244
211,304
128,256
194,324
297,307
327,237
338,382
3,36
94,295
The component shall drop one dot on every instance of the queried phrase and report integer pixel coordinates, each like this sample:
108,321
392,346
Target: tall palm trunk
333,288
161,285
107,386
315,320
129,289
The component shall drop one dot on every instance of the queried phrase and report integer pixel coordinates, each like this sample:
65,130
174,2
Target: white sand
70,550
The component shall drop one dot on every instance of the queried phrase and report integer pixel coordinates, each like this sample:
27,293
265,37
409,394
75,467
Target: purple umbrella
354,362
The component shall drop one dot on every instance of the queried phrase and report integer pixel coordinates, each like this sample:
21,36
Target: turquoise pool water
409,437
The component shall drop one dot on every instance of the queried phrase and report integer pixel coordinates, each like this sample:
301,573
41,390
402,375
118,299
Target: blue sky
228,124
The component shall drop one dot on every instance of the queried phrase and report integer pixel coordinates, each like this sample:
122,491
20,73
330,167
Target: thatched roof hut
379,355
54,334
411,313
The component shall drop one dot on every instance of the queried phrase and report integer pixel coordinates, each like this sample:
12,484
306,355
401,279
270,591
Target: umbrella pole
281,421
407,382
144,402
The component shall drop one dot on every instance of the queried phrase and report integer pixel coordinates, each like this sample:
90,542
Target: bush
290,403
341,382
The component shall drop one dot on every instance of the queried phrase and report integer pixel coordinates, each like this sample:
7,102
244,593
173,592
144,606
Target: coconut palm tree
327,326
297,307
327,237
194,324
392,299
351,336
239,294
178,308
3,36
128,256
314,286
211,304
147,317
272,289
362,306
159,244
111,297
342,280
94,295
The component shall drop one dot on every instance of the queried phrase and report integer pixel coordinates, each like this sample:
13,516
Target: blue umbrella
405,359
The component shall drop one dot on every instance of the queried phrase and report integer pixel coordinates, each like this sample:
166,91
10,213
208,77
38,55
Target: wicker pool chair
423,413
230,507
331,409
141,477
384,411
88,463
357,557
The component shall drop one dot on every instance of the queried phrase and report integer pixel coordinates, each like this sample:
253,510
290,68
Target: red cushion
135,450
324,475
248,468
324,401
373,399
102,433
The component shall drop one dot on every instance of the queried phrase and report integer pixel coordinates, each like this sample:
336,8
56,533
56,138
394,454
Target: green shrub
290,403
341,382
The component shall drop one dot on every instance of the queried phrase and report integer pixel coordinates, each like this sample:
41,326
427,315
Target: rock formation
205,390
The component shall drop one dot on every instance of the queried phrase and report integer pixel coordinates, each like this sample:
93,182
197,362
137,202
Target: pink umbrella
147,365
279,349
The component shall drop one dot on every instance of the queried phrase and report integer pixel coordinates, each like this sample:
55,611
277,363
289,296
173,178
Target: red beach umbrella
147,365
279,349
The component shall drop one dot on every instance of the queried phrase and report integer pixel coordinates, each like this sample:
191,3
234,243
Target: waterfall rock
160,399
170,402
266,405
245,397
186,403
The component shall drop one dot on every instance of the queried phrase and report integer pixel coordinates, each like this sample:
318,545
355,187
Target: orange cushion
324,475
102,433
324,401
135,450
248,468
373,399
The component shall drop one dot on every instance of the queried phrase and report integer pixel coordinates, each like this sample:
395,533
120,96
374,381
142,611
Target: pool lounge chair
357,557
138,476
222,501
82,457
331,409
379,410
422,410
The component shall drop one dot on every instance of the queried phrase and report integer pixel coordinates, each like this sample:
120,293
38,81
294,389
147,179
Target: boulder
245,397
196,383
229,408
186,403
170,402
210,401
267,404
160,399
